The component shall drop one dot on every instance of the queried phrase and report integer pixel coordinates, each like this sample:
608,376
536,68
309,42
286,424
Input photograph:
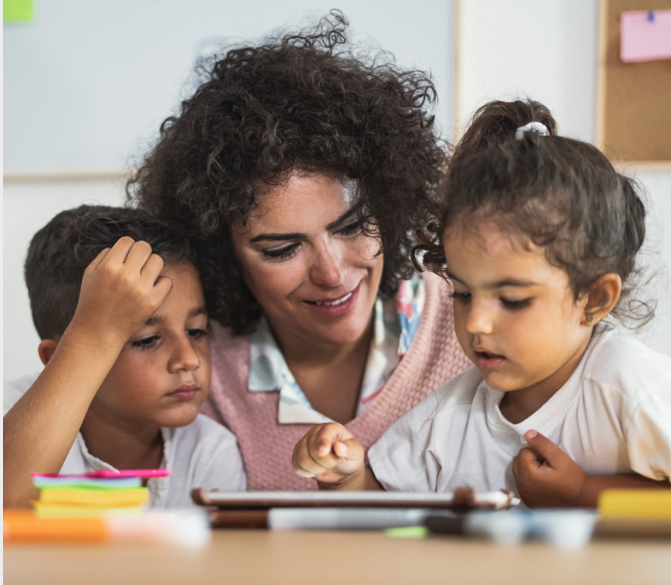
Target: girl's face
305,259
515,315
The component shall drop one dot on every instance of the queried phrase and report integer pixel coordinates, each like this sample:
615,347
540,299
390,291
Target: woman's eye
351,229
464,297
281,253
146,342
515,305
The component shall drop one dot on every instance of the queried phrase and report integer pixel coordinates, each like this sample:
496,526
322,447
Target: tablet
461,497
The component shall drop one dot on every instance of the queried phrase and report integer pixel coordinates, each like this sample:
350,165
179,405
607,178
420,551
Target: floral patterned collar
395,324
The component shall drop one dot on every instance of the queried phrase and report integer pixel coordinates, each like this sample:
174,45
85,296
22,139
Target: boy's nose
184,357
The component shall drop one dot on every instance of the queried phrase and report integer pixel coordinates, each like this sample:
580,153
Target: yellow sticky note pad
109,499
17,10
635,504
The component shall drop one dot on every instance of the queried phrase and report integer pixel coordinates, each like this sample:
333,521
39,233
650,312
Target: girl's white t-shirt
613,416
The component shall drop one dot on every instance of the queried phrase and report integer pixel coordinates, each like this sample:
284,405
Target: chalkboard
87,84
634,112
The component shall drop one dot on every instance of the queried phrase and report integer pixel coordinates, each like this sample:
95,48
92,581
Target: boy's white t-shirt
202,454
613,416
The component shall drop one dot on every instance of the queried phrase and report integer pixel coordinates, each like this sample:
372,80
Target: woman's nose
328,267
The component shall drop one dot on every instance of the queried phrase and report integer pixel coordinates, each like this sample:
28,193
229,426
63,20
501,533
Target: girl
538,239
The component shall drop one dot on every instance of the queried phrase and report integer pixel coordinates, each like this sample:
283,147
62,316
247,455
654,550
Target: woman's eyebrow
297,236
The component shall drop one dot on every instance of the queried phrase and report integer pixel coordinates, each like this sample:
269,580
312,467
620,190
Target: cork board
634,99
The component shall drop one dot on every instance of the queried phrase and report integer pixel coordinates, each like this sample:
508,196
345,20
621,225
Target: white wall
547,50
88,83
91,81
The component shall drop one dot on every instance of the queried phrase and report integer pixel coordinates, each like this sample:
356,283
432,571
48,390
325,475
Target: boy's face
515,314
163,372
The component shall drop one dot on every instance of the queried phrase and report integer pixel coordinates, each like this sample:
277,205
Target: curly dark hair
555,192
60,252
300,102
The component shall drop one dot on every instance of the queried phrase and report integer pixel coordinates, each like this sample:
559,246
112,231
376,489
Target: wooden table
263,557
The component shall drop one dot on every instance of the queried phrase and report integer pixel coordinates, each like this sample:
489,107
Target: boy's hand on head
121,289
546,476
332,456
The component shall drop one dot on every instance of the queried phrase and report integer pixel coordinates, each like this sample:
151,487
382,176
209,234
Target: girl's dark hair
301,102
60,252
555,192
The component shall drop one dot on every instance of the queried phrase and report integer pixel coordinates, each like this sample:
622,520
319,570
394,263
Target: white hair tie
535,126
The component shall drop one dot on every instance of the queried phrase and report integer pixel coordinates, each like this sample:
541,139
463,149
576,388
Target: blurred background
87,85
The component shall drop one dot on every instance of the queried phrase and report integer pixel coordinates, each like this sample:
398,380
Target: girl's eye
146,342
463,297
515,305
196,333
281,253
351,229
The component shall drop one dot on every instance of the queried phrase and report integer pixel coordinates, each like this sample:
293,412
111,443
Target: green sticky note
17,10
408,532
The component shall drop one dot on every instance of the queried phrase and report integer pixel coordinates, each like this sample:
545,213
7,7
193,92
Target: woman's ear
602,298
46,349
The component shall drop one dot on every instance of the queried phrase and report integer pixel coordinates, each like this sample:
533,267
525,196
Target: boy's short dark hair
60,252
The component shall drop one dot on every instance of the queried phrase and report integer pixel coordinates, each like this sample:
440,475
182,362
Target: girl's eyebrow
500,283
298,236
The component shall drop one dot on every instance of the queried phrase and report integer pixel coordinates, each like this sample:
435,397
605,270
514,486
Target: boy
118,304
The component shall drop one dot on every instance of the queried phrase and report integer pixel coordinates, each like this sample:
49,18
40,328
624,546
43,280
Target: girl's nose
480,319
328,267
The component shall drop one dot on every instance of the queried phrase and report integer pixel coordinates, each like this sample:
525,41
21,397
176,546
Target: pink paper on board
644,37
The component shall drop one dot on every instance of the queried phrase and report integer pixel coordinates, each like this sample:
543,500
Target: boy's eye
146,342
281,253
464,297
196,333
515,305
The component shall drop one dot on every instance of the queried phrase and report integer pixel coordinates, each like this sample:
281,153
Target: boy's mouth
184,392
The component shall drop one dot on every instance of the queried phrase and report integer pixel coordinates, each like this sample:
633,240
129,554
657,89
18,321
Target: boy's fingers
120,250
162,287
97,261
152,267
138,255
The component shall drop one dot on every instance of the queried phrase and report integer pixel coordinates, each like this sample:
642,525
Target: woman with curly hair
304,171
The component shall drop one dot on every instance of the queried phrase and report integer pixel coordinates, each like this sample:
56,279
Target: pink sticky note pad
109,474
644,37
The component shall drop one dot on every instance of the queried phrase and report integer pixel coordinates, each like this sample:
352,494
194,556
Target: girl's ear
602,298
46,349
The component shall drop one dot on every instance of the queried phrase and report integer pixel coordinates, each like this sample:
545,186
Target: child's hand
546,476
121,289
332,455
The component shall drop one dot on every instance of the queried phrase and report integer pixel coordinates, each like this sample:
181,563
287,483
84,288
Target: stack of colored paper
86,496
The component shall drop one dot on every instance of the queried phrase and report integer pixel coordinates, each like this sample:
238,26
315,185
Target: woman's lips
488,361
336,307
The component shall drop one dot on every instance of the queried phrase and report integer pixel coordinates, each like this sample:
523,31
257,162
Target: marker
568,529
186,528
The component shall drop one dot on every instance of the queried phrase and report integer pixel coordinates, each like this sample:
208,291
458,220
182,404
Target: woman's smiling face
305,258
